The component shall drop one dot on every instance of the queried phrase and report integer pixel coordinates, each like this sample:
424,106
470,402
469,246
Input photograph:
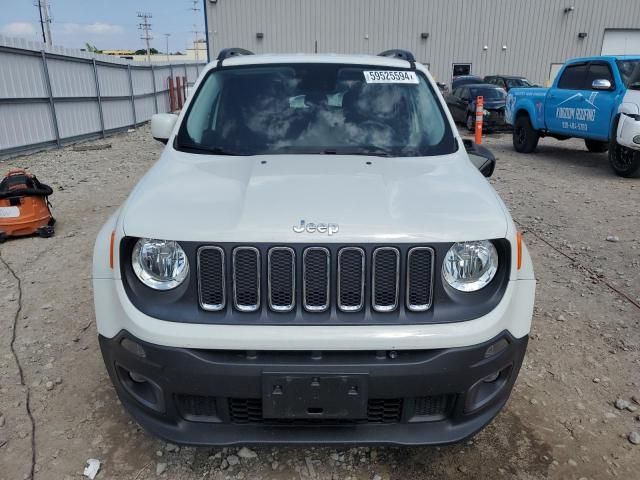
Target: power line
167,35
145,26
195,7
45,20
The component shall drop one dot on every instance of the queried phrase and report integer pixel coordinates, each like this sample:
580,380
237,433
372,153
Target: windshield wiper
369,150
365,150
210,150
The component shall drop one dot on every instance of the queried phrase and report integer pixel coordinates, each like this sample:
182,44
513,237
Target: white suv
313,259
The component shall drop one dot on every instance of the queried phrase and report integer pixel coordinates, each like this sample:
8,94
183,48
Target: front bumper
495,121
628,130
215,397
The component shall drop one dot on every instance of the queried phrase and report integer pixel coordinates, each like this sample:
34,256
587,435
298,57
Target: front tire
596,146
525,138
624,161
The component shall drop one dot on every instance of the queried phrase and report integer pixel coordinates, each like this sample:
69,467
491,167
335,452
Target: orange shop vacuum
24,206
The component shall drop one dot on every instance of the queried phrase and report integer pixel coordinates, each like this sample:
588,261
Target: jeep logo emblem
328,228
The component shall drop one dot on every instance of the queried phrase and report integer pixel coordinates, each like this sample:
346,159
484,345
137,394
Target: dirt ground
58,408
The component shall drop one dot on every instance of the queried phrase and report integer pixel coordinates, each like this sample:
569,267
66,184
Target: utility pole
167,35
45,20
145,26
195,7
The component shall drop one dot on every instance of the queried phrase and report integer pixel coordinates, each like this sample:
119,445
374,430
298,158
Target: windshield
489,93
315,108
517,82
630,73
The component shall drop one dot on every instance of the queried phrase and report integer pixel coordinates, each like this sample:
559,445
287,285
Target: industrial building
525,37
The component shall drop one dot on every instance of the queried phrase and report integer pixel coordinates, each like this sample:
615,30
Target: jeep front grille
246,279
282,279
316,279
419,275
385,279
211,281
351,263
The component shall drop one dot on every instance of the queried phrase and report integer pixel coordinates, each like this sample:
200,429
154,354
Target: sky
107,24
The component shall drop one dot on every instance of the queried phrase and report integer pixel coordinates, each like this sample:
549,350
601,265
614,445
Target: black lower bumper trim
215,397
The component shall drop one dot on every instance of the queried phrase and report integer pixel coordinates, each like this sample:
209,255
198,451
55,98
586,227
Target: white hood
260,198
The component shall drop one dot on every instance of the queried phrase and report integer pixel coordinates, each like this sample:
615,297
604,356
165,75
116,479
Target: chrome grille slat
316,273
246,279
385,279
281,280
300,278
351,280
419,279
212,291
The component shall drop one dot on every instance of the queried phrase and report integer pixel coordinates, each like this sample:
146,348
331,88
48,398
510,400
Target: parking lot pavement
560,422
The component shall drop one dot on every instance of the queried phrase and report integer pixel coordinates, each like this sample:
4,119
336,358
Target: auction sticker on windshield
389,76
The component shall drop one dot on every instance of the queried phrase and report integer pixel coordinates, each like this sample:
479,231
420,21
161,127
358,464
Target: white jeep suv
313,259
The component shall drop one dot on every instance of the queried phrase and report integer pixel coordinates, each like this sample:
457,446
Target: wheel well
614,127
522,113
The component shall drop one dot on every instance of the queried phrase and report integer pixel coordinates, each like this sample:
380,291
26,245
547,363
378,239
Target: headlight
470,266
159,264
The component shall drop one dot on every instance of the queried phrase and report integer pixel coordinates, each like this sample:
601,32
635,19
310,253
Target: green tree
143,51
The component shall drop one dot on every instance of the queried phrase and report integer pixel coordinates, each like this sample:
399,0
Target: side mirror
601,84
481,157
162,126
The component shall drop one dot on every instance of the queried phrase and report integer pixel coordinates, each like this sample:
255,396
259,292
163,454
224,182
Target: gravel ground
571,414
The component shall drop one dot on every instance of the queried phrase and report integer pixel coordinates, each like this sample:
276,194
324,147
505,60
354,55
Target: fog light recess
144,390
487,389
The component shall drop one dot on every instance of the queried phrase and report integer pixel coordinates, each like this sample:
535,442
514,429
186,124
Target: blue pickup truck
595,98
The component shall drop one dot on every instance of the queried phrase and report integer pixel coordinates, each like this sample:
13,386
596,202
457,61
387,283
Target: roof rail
232,52
398,53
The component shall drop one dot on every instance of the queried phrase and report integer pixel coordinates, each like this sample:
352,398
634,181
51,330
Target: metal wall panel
21,76
162,75
192,73
71,79
77,118
31,117
117,114
114,81
25,124
145,108
163,102
535,33
142,80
